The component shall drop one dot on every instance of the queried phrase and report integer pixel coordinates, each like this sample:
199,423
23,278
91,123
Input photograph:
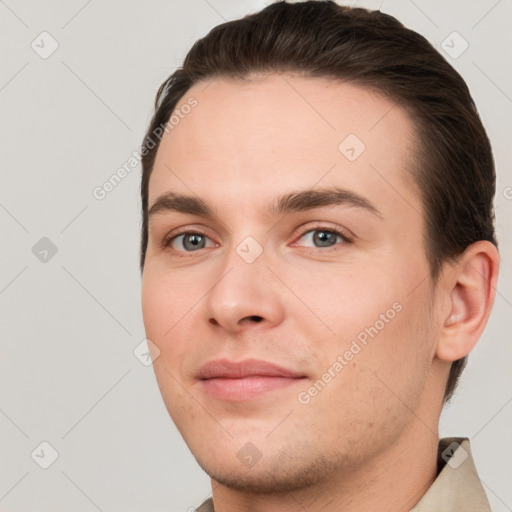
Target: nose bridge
246,262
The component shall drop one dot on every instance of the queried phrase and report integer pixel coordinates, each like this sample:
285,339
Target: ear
470,287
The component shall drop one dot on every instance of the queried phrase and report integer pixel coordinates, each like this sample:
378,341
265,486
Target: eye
189,242
319,238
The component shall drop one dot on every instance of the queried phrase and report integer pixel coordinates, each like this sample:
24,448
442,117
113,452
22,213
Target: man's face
345,314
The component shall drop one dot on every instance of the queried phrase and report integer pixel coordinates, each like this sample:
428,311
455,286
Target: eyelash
346,239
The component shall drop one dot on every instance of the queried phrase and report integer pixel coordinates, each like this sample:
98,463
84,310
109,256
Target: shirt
456,488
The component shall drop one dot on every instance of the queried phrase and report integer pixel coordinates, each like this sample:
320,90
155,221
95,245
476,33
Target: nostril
252,318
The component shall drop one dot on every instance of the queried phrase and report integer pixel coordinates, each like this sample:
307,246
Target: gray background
70,323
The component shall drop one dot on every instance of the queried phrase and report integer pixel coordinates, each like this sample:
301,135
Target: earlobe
471,284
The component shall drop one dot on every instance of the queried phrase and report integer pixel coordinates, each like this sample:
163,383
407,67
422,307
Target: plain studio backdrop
77,85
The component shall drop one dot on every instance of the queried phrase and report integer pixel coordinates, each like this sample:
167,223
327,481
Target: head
336,184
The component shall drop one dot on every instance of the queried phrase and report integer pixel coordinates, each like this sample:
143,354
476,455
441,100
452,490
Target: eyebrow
301,200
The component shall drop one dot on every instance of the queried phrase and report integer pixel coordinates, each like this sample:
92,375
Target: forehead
248,140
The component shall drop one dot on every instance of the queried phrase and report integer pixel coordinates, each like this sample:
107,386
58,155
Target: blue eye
324,237
188,242
318,238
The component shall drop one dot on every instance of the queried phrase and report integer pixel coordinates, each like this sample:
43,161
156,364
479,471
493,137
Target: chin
274,476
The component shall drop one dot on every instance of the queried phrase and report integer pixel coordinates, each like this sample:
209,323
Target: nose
245,295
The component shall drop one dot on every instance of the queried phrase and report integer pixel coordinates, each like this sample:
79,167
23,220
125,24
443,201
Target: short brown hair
456,176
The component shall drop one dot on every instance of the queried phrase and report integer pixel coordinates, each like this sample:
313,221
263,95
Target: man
319,258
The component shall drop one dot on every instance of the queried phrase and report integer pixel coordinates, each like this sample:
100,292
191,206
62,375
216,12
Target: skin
368,439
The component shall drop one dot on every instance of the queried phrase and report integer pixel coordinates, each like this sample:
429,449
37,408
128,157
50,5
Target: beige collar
457,486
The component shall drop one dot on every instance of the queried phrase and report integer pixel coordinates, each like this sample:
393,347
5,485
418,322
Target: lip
244,380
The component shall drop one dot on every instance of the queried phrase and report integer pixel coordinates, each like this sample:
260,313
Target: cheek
164,311
166,306
372,396
347,300
156,308
166,300
376,325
